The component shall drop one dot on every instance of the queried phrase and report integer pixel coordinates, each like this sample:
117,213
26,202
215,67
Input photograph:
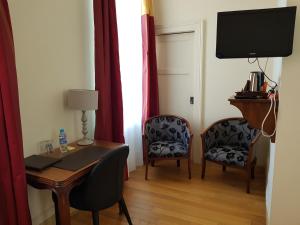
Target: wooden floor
170,198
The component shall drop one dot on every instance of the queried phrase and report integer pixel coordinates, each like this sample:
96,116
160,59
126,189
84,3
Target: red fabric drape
14,208
109,117
150,79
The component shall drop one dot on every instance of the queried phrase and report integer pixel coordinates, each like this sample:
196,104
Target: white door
178,62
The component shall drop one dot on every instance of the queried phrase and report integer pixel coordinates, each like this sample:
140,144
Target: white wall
277,70
221,77
285,204
53,43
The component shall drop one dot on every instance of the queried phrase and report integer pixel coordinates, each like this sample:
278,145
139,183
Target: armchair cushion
167,149
167,129
232,155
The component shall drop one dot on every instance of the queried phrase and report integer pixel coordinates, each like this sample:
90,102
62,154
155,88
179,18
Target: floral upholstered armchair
167,137
229,142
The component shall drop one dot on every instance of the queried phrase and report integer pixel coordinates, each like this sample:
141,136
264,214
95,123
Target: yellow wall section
147,7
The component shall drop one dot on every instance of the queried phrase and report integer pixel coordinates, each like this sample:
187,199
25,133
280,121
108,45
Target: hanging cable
273,87
252,61
266,64
273,103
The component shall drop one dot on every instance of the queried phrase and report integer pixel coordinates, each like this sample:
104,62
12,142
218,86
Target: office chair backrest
104,185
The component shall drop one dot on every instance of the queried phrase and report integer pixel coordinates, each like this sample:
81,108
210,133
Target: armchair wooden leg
203,168
248,171
125,210
152,163
224,168
146,172
95,216
253,172
253,169
189,167
178,163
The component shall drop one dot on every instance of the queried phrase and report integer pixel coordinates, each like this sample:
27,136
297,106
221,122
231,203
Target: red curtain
109,117
150,80
14,208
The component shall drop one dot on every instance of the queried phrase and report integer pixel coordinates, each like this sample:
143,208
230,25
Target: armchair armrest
203,135
190,143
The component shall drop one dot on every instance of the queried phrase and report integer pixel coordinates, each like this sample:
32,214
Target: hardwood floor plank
170,198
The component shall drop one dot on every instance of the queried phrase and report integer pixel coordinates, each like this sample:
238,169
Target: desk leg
62,206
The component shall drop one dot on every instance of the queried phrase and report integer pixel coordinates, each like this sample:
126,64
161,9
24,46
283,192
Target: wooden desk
61,181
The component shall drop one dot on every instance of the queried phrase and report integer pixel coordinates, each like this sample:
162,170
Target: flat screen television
256,33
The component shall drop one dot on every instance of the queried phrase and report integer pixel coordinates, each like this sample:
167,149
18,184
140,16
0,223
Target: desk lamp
83,100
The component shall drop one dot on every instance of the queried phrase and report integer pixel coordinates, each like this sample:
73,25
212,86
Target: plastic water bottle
63,143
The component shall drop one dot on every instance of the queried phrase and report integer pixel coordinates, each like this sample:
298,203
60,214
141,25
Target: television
256,33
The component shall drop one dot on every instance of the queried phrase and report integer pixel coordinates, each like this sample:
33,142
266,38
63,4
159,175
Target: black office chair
103,187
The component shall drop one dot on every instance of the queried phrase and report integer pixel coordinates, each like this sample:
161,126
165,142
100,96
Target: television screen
256,33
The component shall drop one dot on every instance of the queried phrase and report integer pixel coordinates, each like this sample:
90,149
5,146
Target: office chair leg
203,168
120,209
95,215
178,163
124,209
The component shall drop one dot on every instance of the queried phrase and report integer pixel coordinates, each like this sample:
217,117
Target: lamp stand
84,141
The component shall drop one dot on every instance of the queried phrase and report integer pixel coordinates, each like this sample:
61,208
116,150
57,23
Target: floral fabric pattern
167,136
228,154
167,149
228,142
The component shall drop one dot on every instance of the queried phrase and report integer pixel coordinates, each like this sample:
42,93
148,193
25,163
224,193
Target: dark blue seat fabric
167,136
167,149
228,142
232,155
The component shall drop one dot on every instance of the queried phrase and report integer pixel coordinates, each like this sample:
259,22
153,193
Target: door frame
198,118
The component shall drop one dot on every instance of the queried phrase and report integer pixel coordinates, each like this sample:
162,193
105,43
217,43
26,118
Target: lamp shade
82,99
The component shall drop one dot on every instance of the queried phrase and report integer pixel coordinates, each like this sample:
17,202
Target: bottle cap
61,130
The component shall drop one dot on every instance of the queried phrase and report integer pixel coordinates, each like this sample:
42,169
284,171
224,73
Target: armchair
229,142
167,137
